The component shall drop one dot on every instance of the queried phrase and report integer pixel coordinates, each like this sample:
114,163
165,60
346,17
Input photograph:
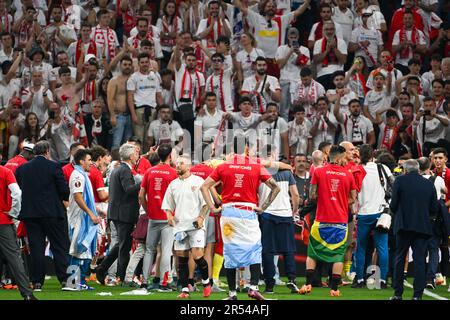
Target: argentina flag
241,237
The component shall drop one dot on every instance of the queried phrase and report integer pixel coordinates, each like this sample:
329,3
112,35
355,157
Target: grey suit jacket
123,195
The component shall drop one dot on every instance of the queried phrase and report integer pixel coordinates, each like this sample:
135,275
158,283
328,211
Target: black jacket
123,195
104,139
414,203
43,189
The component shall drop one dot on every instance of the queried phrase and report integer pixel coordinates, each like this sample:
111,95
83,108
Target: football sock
203,266
231,278
309,276
335,281
255,274
217,265
184,271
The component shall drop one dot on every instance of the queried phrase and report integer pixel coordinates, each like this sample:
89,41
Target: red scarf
25,32
169,42
79,130
211,39
183,83
129,21
99,38
259,96
5,24
89,91
404,54
200,59
359,78
92,49
440,104
331,57
136,40
388,140
211,87
319,30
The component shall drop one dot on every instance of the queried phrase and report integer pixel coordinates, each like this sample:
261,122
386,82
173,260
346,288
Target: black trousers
10,251
187,125
121,250
418,242
56,230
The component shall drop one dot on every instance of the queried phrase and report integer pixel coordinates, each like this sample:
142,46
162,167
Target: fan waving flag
79,130
241,237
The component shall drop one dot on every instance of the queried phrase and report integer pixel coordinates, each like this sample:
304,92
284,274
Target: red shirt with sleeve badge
141,166
96,178
334,184
15,162
202,170
67,171
240,178
358,173
155,183
6,178
446,176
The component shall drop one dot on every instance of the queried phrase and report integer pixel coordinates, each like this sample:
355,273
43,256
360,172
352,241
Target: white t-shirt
66,30
345,20
37,105
374,21
324,132
165,132
191,88
374,37
157,45
178,30
247,59
312,92
211,43
344,100
396,41
371,198
210,124
439,185
245,126
269,38
4,56
434,131
312,34
222,89
145,88
185,198
281,206
356,130
330,68
376,100
270,133
291,71
248,87
299,134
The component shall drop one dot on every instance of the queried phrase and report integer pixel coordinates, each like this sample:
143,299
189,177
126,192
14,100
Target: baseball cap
367,12
28,146
89,57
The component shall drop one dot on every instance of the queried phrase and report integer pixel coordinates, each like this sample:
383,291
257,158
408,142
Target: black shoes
431,285
395,298
37,287
29,297
101,276
358,284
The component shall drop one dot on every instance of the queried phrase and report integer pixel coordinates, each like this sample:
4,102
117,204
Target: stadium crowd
253,117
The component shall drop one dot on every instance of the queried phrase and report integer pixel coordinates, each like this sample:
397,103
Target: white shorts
194,239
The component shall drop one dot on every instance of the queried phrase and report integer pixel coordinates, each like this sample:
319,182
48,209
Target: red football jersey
96,178
240,178
15,162
6,178
334,184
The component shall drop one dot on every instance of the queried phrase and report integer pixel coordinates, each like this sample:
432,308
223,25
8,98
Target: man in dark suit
98,127
123,211
43,212
413,205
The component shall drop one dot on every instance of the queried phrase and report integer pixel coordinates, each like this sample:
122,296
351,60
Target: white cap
89,57
367,11
28,146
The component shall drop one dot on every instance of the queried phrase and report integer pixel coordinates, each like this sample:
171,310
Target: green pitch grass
51,291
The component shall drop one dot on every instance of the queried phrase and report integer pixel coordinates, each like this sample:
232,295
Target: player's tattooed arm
313,192
274,190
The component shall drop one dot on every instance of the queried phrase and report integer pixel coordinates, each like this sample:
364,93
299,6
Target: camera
195,224
427,112
295,44
51,114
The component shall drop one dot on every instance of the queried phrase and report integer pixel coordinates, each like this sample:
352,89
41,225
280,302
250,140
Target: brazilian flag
328,242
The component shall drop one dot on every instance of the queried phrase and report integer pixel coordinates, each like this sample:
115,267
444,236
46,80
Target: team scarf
165,24
87,236
79,129
6,23
259,96
25,31
191,85
404,54
330,58
136,40
92,49
96,127
192,23
99,38
220,87
201,61
312,91
89,93
369,55
440,105
211,38
358,84
318,34
389,137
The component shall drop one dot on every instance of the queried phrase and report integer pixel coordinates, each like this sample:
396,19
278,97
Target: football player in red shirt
142,165
334,188
68,168
23,157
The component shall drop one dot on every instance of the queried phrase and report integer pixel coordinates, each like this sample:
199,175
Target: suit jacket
43,189
123,195
414,203
104,139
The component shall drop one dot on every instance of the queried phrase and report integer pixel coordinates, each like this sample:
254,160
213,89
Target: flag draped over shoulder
241,237
328,242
